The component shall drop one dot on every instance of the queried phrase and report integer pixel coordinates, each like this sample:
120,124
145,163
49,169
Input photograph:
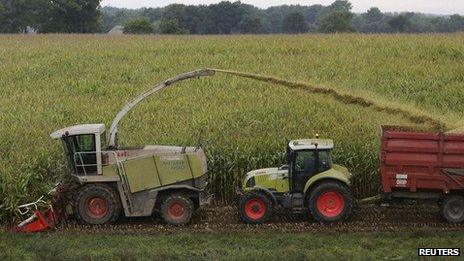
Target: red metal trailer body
417,164
420,161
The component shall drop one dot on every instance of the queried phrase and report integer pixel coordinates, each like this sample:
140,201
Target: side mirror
284,167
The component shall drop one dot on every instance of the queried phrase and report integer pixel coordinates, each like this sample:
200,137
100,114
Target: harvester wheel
452,209
97,204
177,209
330,202
254,208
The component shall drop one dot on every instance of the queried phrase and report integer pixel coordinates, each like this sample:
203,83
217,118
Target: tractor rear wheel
177,209
330,202
452,209
97,204
254,208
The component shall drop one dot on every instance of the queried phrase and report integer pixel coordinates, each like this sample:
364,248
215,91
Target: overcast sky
424,6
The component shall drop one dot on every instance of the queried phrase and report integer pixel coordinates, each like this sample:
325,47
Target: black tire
452,209
339,200
177,209
254,208
97,204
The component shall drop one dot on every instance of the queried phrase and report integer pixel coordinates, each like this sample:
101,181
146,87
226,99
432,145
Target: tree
171,26
399,23
251,24
456,23
226,16
373,15
295,23
337,22
138,26
73,16
16,15
340,6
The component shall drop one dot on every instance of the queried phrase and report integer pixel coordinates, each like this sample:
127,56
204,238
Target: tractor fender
264,190
330,174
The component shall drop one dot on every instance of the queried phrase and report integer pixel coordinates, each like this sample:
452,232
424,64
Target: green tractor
308,182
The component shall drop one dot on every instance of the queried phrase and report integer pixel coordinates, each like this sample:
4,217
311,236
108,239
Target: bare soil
224,219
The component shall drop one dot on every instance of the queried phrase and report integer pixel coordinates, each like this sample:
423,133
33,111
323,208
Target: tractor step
297,210
297,200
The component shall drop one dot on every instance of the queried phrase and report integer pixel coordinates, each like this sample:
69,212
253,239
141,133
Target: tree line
51,16
238,18
86,16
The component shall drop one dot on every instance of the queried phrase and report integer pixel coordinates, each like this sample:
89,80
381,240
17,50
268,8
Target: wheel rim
96,207
176,210
255,208
330,203
456,210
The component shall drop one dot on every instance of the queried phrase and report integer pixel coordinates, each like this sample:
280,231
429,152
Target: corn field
49,82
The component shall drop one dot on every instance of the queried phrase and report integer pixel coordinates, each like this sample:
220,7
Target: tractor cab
82,145
306,158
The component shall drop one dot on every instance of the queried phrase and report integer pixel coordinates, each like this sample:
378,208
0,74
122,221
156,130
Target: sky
360,6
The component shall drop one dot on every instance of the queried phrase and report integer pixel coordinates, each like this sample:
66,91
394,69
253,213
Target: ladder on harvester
125,187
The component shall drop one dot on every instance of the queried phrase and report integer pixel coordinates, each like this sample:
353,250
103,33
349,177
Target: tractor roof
79,130
310,144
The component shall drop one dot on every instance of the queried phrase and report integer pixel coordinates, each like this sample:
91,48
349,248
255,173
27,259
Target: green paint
110,170
173,168
141,174
337,172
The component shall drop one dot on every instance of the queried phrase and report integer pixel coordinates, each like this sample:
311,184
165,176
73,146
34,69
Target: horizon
431,7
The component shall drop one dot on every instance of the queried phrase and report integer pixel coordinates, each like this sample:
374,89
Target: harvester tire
452,209
330,202
254,208
97,204
177,209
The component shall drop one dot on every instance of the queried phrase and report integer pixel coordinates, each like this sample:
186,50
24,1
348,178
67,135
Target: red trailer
424,165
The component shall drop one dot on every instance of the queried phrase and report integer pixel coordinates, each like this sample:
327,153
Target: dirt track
224,219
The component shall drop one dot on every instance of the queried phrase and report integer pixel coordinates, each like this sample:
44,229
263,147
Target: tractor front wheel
97,204
330,202
177,209
254,208
452,209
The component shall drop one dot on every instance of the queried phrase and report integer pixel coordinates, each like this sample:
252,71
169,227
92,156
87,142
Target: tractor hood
263,177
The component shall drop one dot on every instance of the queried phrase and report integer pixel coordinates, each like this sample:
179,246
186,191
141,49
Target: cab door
305,165
81,153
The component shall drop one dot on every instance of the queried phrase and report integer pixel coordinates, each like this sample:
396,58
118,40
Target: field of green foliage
49,82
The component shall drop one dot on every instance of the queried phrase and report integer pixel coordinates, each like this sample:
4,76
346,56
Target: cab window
84,142
305,160
325,160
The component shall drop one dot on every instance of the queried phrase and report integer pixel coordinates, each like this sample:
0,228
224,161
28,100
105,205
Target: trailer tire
330,202
97,204
177,209
452,209
255,208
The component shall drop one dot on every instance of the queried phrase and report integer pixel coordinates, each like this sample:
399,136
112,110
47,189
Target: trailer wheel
452,209
254,208
97,204
177,209
330,202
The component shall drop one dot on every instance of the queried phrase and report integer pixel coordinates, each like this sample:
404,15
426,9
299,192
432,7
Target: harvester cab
309,181
83,147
